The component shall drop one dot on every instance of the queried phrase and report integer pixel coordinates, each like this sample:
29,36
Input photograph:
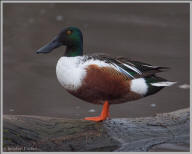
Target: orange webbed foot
103,116
96,119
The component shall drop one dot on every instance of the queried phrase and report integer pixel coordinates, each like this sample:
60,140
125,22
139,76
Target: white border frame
95,1
84,1
1,26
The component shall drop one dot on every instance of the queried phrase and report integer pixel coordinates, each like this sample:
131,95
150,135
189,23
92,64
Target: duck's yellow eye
68,32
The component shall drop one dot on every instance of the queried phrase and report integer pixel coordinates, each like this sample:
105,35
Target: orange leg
104,114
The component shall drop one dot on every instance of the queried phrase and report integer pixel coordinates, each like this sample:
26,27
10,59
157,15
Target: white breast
69,74
72,70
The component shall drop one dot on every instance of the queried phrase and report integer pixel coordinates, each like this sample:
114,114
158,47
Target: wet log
166,131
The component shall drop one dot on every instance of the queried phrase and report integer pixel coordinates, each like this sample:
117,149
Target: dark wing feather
130,68
145,68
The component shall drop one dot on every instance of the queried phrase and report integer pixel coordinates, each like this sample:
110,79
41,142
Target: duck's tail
156,83
163,84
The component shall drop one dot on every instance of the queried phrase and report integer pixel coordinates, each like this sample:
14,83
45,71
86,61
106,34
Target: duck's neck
75,50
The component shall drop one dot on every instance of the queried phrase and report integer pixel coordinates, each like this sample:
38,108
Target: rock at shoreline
167,131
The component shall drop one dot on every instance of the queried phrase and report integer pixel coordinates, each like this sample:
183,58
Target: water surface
152,33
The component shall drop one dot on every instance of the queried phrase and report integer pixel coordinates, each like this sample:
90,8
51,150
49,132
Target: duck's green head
71,37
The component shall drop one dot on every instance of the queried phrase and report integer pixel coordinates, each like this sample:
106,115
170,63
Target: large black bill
49,47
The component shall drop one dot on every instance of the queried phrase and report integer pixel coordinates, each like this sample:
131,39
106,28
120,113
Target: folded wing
130,68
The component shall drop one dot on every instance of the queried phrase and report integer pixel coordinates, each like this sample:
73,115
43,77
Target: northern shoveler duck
102,79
